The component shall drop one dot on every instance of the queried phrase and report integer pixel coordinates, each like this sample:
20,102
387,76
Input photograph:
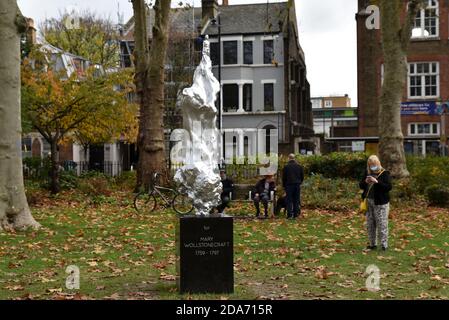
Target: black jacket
228,187
293,173
381,190
260,187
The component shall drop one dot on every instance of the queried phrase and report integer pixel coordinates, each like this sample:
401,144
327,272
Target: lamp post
217,23
444,112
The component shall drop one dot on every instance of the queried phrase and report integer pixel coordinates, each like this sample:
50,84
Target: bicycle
147,201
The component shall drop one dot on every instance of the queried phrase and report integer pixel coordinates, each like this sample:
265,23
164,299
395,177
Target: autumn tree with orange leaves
92,106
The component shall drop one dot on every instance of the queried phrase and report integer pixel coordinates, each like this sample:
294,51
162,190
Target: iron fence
41,170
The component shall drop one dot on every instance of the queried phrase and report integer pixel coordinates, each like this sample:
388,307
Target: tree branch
21,21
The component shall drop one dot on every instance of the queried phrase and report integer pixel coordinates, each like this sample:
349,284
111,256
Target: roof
235,19
67,59
251,18
181,19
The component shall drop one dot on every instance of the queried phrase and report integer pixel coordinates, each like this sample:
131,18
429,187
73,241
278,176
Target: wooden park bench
243,193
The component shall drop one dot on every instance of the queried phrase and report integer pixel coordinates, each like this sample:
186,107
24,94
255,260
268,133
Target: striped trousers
377,223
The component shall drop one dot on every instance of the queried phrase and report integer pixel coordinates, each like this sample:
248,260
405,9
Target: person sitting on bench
262,193
228,188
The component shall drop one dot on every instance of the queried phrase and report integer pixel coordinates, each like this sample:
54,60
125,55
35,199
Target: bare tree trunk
55,186
150,88
395,41
14,210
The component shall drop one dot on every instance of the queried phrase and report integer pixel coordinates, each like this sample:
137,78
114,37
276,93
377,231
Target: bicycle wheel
145,203
182,204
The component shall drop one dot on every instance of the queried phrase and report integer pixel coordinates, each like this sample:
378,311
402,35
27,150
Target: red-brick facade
370,61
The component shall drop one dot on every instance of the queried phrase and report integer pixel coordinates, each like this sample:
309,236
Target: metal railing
108,168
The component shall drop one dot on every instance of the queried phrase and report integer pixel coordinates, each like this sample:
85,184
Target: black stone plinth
205,249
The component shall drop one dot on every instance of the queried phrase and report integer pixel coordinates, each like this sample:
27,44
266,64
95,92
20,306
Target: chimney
31,32
225,3
209,9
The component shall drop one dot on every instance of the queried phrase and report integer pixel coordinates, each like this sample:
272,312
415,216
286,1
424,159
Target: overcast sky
327,35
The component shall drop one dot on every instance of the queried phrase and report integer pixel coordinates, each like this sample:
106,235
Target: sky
327,32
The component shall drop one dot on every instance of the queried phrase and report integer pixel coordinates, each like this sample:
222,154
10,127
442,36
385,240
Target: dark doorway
130,156
96,158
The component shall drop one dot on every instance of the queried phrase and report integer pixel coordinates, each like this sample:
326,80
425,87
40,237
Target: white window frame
422,13
423,79
416,124
328,103
317,103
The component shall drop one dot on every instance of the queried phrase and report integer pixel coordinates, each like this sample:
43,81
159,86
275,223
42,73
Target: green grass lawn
123,255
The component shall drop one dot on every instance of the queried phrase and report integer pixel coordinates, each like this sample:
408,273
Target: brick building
335,122
425,107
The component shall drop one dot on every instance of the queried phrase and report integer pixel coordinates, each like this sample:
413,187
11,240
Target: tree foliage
94,38
91,104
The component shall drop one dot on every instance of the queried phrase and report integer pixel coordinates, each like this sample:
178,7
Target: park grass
124,255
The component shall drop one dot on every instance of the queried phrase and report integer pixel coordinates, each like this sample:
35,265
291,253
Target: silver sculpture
199,177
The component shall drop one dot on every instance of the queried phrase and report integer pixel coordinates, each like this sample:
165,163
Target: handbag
364,204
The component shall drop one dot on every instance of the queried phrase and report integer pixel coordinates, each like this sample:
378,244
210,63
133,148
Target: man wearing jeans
292,178
262,193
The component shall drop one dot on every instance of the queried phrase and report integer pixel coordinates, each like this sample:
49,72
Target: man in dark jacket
292,178
262,193
228,188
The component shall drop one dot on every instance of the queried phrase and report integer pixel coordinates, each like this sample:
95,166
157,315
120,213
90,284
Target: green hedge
335,194
334,165
438,195
429,171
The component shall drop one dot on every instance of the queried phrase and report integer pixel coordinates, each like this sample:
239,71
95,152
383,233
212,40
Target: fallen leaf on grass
14,288
168,277
114,296
321,273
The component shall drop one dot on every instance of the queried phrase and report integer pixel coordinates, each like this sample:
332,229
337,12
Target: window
230,97
214,54
248,52
424,80
26,147
230,52
268,96
317,104
248,97
328,103
420,129
270,133
268,52
426,22
246,147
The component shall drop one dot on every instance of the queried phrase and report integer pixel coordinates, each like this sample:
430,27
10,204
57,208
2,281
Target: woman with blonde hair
376,185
